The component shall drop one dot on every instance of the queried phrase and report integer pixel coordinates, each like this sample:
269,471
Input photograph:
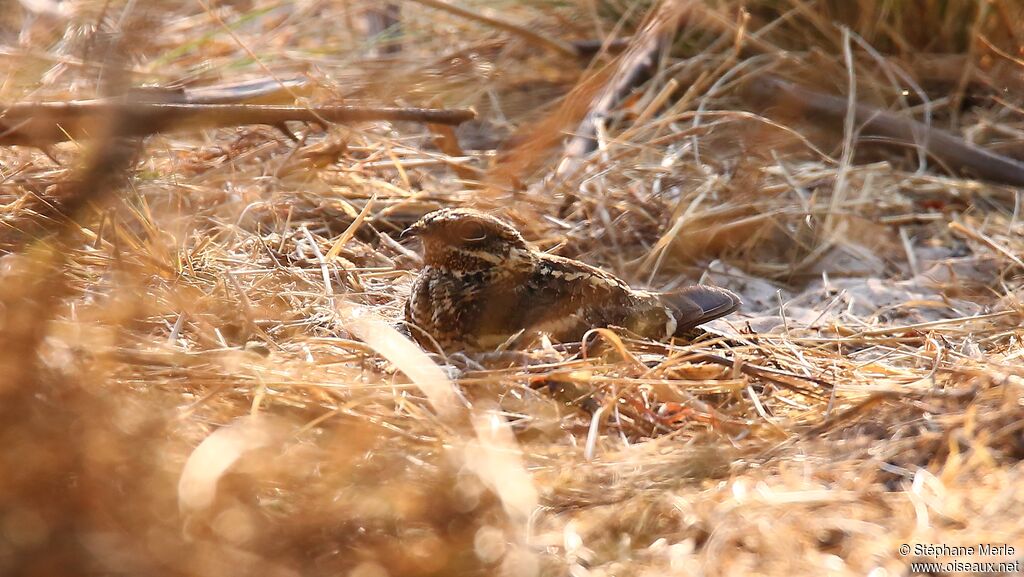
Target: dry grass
203,374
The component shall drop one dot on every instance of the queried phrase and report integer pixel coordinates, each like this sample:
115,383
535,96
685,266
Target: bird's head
466,240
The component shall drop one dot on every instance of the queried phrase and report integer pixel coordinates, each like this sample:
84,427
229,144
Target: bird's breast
449,304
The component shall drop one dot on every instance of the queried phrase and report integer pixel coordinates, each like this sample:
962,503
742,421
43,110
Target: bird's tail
696,305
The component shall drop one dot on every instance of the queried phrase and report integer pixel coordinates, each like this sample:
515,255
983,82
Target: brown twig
774,375
953,152
45,123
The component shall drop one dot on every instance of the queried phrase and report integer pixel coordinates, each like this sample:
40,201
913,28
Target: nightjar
483,284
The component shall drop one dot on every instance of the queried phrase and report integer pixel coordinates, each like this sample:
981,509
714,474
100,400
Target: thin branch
45,123
958,155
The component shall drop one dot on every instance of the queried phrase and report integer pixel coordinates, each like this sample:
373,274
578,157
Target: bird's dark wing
696,305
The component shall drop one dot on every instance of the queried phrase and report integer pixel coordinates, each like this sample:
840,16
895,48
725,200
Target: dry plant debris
204,371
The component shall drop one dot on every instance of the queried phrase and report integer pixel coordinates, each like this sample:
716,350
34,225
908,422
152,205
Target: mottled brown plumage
482,284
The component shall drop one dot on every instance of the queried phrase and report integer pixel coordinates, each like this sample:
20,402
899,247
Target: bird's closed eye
472,231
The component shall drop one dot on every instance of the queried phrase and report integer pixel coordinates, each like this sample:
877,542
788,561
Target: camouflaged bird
483,284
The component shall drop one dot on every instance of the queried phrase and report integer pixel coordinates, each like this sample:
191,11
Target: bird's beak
412,231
